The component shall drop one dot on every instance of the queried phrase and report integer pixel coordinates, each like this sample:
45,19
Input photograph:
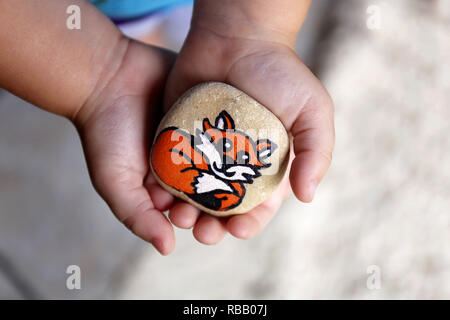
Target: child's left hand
271,73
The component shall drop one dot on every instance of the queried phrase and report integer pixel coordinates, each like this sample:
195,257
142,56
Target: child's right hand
109,86
115,127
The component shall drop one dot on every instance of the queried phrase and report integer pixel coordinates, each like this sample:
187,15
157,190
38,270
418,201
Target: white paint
207,183
209,150
265,153
215,160
221,123
239,172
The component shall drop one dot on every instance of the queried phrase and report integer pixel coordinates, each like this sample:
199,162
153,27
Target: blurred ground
385,201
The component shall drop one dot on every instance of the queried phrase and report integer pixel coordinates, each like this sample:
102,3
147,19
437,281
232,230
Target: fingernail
311,190
159,245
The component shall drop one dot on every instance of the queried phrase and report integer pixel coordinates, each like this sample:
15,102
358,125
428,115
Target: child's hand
269,71
115,127
112,90
109,86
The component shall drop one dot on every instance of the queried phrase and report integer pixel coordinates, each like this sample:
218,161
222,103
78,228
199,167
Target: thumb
313,133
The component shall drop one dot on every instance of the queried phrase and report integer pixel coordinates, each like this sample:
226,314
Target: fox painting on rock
212,166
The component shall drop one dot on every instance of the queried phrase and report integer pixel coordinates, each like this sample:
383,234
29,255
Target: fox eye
242,157
225,144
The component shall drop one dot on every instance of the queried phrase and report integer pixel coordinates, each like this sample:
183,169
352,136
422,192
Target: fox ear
224,121
206,124
265,148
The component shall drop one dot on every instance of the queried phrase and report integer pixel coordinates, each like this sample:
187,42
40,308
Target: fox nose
228,162
223,169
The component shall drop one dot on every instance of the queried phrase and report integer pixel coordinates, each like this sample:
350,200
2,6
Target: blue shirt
131,9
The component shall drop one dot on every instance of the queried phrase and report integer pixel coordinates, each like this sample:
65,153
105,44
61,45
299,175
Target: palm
273,75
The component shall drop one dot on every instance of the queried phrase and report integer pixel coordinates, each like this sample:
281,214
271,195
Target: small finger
162,200
184,215
209,230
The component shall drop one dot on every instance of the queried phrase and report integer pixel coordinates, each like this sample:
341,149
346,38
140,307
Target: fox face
231,154
212,166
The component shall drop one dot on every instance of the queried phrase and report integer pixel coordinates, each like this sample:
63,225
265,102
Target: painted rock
220,150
